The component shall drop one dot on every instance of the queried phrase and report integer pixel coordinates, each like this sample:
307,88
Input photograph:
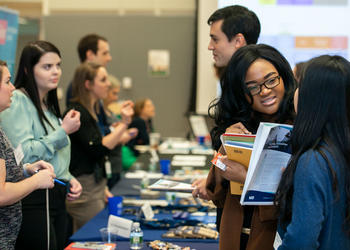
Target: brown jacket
264,220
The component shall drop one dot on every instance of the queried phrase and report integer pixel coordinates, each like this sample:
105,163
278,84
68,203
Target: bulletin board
8,36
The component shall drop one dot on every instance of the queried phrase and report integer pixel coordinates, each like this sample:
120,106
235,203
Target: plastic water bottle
144,182
136,236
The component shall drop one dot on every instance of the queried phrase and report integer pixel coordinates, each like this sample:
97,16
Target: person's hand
200,191
234,170
74,190
44,179
39,165
127,112
108,194
133,132
238,128
128,135
71,122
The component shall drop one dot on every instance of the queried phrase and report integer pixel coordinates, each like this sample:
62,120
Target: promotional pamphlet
270,155
238,147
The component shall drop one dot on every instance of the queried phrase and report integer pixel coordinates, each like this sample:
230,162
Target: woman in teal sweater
314,193
33,124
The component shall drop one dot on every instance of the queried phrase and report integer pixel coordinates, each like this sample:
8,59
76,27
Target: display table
90,232
131,187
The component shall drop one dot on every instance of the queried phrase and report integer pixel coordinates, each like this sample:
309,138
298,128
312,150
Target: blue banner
8,36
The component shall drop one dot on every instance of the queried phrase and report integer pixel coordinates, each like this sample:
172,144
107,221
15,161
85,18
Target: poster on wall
158,63
8,36
299,29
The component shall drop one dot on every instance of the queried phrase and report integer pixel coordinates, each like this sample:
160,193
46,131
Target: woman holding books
314,192
258,86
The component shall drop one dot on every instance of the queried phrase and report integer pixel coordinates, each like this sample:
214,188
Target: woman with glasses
258,86
314,192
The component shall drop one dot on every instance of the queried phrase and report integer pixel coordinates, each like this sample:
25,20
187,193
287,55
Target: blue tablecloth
90,232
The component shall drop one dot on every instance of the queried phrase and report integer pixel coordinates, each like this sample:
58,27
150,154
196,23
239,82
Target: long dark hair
30,56
322,125
233,106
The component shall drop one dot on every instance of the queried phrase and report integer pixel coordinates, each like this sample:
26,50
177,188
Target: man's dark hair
88,42
237,19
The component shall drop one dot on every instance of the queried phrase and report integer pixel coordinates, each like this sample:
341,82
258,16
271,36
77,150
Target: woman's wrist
26,170
125,122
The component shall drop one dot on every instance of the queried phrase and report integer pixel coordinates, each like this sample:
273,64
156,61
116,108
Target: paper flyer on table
167,185
271,153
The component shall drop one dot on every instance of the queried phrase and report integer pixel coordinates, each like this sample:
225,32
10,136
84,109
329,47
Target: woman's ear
87,84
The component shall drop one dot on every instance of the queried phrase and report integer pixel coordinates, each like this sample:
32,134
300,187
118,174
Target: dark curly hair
233,106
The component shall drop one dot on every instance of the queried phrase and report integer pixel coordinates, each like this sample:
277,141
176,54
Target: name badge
19,155
108,169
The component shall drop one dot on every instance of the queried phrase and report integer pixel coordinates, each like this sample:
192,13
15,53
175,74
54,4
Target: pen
55,180
60,182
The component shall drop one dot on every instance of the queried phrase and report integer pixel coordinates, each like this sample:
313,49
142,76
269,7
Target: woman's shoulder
315,162
18,96
77,106
138,121
21,105
85,115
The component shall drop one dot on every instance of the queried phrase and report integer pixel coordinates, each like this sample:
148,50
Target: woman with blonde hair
107,120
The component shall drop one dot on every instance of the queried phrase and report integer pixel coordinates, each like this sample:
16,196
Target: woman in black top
90,148
142,120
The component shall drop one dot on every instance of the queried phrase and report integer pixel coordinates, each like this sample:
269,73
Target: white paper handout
271,153
166,185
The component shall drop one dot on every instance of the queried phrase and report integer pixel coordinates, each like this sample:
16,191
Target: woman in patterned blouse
13,184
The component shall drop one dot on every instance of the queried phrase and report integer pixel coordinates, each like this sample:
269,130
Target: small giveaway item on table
193,232
162,245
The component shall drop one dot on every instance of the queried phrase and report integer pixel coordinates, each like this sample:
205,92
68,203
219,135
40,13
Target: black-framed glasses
269,84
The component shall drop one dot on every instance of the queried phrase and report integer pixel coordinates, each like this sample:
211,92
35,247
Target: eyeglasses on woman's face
255,89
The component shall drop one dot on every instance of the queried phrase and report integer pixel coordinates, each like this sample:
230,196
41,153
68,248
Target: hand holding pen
42,165
44,173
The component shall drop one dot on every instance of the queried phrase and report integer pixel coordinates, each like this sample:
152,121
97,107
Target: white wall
206,81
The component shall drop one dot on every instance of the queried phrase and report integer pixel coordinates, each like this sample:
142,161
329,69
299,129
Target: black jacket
87,152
